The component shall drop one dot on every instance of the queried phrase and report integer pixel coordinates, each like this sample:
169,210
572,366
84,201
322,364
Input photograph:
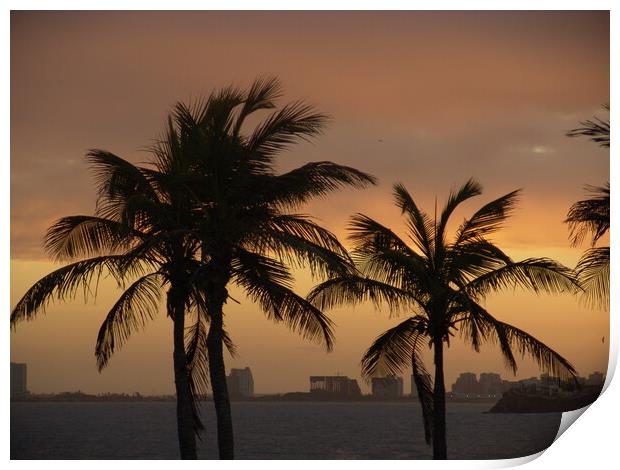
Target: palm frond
391,352
495,331
511,337
141,213
294,122
198,366
262,94
155,249
535,274
83,235
472,259
598,130
314,179
214,115
268,283
116,179
198,303
470,189
472,330
196,351
167,150
424,385
381,255
488,219
64,283
393,267
593,275
353,290
590,216
369,236
419,224
134,308
299,241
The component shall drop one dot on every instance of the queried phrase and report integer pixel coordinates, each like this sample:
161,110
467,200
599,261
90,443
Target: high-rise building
240,383
334,384
387,387
530,385
509,384
490,384
466,385
548,384
19,384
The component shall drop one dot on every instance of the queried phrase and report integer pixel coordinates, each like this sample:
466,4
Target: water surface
273,430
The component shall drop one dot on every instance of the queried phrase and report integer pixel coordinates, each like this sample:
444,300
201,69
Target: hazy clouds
425,98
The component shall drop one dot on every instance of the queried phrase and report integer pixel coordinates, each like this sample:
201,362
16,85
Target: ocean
273,430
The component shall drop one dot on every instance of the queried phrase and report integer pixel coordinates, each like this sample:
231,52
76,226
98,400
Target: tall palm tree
441,284
208,210
140,237
249,230
591,217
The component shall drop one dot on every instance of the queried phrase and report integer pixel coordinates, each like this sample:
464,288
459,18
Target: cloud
541,150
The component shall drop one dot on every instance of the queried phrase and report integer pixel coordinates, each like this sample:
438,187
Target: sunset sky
428,99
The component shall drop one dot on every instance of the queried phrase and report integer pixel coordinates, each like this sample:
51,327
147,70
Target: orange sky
425,98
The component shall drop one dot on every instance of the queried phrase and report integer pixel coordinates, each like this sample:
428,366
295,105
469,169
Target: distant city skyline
241,382
491,384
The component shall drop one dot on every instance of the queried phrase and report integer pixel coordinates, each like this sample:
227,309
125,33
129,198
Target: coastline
72,397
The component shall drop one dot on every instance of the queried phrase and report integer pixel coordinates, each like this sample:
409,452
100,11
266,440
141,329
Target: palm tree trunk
439,405
217,373
185,412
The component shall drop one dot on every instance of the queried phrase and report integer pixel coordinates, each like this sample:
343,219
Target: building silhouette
19,375
334,385
240,383
595,378
466,385
490,384
387,387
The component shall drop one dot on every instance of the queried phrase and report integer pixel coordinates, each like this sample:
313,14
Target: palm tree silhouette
249,234
208,211
443,283
140,236
591,217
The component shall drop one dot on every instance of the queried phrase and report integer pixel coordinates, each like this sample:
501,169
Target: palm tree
139,236
591,217
207,211
250,235
442,283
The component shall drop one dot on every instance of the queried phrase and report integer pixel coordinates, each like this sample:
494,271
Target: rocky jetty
514,401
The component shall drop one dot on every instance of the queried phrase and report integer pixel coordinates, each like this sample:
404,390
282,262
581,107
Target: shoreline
288,398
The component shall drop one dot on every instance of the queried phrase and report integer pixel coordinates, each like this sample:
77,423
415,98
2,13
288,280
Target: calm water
273,431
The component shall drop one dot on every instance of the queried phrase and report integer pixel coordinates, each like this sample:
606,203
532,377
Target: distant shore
515,401
284,397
